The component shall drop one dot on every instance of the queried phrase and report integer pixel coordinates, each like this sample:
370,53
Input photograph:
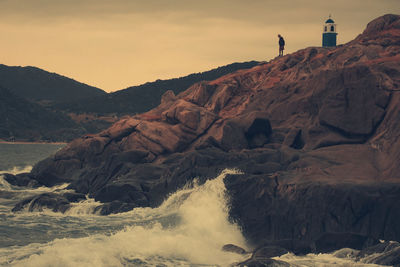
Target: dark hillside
144,97
68,99
26,121
38,85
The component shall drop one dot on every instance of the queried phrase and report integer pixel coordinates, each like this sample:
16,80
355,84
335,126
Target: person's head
279,36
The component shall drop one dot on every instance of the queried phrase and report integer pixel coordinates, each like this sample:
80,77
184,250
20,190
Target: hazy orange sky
114,44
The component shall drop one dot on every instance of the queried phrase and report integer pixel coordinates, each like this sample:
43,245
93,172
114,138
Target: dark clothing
281,41
281,45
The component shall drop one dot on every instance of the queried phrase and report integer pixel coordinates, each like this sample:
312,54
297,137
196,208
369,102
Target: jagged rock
234,249
193,117
294,139
120,129
168,97
21,205
124,193
390,258
22,179
381,247
74,197
358,106
346,253
329,242
114,207
386,253
305,210
200,93
267,252
262,257
338,174
386,22
49,172
247,131
228,136
52,201
264,263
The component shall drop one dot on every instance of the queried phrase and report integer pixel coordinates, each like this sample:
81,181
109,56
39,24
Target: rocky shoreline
315,133
382,253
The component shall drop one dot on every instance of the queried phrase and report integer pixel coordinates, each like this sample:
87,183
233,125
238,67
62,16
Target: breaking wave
190,227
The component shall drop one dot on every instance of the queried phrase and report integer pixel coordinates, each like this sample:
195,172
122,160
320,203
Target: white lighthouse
329,33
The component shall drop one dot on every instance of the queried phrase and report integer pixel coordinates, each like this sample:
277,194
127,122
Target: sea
188,229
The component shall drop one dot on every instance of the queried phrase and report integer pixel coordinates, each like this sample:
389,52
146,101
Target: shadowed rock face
316,134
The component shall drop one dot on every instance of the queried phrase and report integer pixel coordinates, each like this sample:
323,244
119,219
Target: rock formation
316,134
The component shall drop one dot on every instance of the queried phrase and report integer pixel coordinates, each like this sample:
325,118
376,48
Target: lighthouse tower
329,34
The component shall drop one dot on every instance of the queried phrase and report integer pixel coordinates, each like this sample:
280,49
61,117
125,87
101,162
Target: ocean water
188,229
15,157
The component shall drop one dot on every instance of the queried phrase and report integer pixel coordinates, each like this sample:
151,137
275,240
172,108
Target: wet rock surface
385,253
264,263
51,201
22,179
315,133
234,249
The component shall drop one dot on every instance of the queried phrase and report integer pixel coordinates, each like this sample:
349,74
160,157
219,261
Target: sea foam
190,227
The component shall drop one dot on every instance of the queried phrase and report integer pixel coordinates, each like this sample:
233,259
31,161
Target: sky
114,44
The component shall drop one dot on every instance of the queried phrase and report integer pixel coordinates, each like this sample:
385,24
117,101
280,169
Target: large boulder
306,210
51,201
21,179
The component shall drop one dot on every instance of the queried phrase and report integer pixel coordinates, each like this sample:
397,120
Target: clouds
117,43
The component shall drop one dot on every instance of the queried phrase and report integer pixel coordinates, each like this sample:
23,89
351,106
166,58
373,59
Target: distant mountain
27,121
39,105
144,97
41,86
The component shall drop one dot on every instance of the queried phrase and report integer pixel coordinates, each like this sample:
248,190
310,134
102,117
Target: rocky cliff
316,134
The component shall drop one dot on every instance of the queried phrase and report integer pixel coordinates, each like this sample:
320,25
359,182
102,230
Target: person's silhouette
281,45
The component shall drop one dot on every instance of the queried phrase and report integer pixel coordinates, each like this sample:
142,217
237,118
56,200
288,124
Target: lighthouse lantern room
329,34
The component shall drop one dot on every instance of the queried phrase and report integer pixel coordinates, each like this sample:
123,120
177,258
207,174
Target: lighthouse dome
329,21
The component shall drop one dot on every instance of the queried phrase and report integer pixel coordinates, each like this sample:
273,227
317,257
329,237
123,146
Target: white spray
190,227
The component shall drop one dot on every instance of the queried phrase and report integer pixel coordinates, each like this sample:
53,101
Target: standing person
281,45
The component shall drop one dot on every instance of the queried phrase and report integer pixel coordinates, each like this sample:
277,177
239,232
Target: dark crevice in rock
350,203
333,143
298,142
359,217
344,133
116,169
205,131
385,221
377,124
144,187
276,187
259,128
334,217
172,120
